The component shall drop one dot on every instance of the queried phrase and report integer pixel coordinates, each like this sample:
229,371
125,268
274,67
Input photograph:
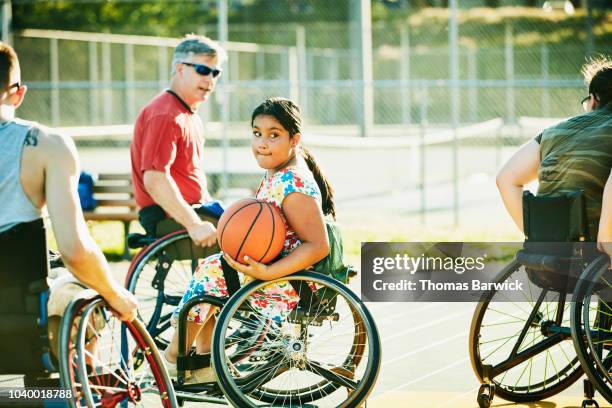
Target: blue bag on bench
85,190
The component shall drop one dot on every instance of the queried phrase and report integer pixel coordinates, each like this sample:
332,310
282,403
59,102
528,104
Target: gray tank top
15,207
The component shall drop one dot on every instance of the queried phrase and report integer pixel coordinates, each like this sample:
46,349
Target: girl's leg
204,338
192,331
201,332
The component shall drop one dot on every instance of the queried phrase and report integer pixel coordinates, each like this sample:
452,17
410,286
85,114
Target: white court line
425,325
408,313
410,353
416,380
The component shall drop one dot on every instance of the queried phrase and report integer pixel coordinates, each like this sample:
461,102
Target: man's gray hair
197,44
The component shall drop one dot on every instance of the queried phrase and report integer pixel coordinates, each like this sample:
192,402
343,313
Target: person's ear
295,140
20,95
595,102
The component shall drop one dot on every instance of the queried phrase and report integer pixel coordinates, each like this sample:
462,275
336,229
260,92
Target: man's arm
79,252
521,169
164,191
604,236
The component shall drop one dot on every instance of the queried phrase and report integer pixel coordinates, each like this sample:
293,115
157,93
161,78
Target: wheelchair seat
557,244
24,266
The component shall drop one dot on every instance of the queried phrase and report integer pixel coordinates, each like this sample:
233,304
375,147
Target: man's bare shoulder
49,142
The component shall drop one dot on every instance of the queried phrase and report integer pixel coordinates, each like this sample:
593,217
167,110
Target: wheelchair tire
497,321
68,358
158,281
591,324
298,349
108,370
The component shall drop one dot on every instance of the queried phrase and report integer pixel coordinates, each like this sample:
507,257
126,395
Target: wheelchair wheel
68,358
325,349
158,277
520,347
108,352
592,324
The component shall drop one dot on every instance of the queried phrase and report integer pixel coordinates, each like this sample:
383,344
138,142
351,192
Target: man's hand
123,303
203,234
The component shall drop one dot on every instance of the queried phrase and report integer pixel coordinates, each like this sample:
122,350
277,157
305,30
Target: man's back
577,154
15,204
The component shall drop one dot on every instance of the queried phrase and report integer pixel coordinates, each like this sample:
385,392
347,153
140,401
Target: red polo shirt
168,137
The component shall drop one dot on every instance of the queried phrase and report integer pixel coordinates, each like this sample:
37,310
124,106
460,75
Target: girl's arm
521,169
304,215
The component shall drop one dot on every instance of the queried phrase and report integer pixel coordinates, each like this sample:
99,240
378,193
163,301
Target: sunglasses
15,85
584,101
203,69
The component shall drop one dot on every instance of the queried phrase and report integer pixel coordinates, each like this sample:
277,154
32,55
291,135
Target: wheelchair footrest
193,362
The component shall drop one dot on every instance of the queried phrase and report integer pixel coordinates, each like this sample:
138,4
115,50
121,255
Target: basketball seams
232,216
246,236
271,235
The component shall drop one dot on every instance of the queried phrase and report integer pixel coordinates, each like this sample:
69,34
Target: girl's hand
252,268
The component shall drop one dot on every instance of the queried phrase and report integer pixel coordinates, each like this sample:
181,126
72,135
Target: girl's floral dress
274,301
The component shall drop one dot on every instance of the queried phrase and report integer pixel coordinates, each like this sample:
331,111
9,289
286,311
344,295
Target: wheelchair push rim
158,281
591,320
521,347
111,378
301,360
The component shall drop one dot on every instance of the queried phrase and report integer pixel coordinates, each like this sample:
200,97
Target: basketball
251,227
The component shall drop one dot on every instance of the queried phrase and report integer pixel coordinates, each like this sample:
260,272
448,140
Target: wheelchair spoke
331,375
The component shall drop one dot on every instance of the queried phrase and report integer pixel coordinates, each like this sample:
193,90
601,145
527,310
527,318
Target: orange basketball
251,227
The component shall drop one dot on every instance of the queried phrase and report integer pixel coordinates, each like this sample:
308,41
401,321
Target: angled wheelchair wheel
68,356
325,348
158,276
522,347
118,363
592,324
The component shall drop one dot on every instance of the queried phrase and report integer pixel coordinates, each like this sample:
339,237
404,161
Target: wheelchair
532,349
95,352
326,349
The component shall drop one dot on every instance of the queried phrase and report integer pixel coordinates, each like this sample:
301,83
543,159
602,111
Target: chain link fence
512,64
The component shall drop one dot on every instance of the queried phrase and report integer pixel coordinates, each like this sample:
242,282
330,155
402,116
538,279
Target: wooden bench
115,202
114,195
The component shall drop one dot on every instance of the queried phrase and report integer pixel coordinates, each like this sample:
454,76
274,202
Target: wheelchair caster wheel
590,403
485,395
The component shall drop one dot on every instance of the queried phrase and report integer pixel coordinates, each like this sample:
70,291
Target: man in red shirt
166,150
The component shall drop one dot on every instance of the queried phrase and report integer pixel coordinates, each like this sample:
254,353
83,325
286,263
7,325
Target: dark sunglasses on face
203,69
15,85
585,100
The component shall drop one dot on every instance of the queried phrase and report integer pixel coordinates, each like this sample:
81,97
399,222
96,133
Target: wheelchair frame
224,391
25,258
557,235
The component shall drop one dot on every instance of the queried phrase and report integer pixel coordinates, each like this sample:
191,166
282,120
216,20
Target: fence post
544,64
162,60
107,100
405,74
130,94
54,74
294,74
332,70
472,90
422,134
94,92
7,17
509,59
455,108
300,44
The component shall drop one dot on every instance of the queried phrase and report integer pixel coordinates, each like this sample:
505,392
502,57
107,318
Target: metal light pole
222,36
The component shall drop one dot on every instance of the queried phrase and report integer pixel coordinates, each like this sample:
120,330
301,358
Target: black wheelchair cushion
136,241
557,247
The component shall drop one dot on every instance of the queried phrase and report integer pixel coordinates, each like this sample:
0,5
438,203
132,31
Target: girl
295,185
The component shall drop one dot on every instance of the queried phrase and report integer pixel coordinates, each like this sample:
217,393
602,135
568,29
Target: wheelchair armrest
544,263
